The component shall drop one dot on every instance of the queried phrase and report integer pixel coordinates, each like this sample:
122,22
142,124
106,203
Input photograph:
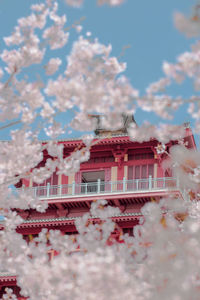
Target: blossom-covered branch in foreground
162,260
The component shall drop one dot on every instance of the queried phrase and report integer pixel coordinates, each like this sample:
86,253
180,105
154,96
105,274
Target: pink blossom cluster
78,3
167,240
189,26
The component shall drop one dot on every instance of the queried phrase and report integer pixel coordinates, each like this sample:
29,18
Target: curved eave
7,278
70,221
101,140
112,139
114,195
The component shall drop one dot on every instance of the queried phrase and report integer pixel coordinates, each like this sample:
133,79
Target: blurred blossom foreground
114,214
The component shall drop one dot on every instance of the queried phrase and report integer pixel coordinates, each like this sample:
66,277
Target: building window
100,157
140,171
53,180
140,156
168,173
53,186
95,160
90,179
139,174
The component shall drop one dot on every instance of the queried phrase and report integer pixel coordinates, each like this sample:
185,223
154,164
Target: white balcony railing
102,187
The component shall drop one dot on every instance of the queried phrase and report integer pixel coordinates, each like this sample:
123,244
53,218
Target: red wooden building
124,172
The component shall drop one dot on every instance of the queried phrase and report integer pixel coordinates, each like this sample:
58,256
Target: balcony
145,186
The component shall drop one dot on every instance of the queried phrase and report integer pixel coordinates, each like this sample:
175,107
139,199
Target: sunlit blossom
166,240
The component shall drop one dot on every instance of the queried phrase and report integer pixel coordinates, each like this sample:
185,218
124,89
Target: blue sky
145,25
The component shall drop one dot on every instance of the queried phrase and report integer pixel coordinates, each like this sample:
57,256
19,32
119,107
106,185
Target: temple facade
122,171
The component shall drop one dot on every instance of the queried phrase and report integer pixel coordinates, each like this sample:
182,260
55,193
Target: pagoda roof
75,218
126,121
7,277
109,137
71,220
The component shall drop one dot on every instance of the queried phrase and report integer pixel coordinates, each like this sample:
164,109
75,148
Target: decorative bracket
156,155
119,155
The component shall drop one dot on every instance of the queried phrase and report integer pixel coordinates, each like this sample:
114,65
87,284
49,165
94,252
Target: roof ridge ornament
103,124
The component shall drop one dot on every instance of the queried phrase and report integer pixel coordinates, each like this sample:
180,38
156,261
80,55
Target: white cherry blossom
166,241
52,66
189,26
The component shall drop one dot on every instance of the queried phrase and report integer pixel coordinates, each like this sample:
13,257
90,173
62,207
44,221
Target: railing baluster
48,189
150,182
124,184
98,185
73,188
155,183
86,186
137,184
60,190
164,182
